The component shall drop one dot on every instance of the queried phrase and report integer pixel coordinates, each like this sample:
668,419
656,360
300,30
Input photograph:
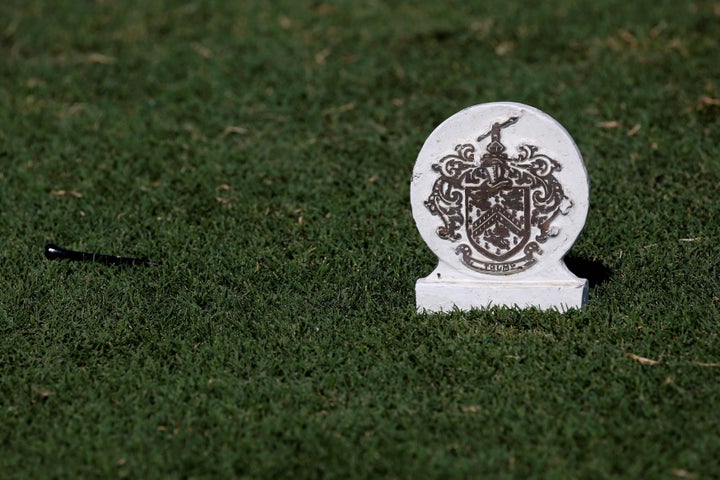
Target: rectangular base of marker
445,296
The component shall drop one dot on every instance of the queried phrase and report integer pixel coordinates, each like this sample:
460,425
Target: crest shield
498,220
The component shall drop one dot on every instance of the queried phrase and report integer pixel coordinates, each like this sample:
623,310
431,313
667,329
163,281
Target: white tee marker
500,193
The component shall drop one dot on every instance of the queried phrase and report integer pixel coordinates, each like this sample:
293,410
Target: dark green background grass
262,152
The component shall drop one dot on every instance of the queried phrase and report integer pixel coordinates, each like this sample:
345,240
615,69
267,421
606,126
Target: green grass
262,152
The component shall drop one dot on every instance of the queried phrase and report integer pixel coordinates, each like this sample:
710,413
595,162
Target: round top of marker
499,190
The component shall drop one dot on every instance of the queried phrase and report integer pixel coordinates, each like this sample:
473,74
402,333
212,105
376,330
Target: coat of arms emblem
501,208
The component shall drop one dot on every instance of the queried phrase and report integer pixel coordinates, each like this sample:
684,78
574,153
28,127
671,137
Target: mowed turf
262,153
